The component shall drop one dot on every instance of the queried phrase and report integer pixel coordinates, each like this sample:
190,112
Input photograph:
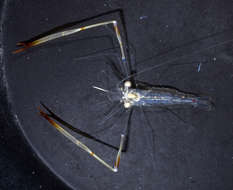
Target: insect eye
127,104
127,84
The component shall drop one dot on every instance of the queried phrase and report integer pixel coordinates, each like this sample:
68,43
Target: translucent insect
127,91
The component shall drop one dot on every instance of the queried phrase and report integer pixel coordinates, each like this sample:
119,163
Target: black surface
164,153
20,168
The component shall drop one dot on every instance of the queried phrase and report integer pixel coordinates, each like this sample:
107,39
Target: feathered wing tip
24,46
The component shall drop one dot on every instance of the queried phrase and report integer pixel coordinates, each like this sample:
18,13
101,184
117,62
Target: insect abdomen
164,97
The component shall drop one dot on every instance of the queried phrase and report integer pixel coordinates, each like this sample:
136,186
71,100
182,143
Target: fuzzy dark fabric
167,149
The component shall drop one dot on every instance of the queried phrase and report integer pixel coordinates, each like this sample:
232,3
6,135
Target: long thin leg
131,67
179,117
116,109
126,131
57,35
76,130
150,135
83,146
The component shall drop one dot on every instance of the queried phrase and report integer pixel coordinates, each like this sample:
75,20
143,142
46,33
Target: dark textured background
19,167
164,153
